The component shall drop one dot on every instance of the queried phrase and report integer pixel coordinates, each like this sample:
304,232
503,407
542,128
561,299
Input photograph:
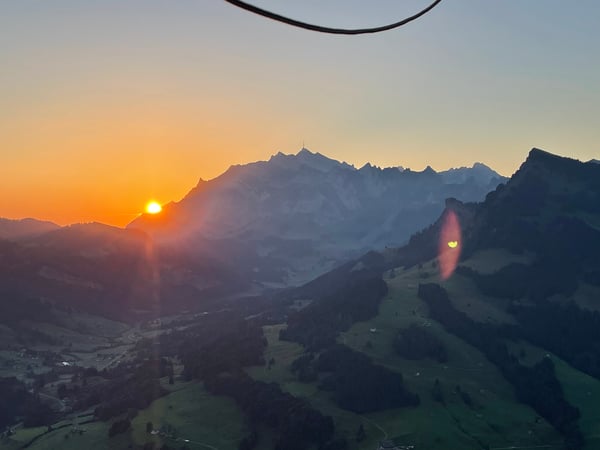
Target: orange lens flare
450,245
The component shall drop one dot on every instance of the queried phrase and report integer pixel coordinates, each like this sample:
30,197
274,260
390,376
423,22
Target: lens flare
450,245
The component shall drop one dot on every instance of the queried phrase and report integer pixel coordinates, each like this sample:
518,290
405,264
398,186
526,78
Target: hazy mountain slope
294,216
108,271
15,229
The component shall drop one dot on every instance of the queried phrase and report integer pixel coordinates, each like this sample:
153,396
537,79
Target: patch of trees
355,382
18,403
205,332
249,442
437,393
536,386
16,307
565,329
464,396
536,281
118,427
317,326
37,413
416,342
298,425
592,277
305,368
127,390
237,348
219,363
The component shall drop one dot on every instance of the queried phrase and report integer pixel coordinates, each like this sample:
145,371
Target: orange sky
107,104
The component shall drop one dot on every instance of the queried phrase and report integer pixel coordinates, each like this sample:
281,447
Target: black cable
309,26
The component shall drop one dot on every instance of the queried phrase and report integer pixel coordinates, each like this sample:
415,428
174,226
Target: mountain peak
544,160
307,158
539,154
480,165
305,152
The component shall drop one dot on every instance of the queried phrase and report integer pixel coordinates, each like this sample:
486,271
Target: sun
153,207
452,244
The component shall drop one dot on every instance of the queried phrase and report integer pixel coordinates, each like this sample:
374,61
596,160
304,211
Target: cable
320,29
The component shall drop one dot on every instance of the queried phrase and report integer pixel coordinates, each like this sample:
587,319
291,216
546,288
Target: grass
497,418
24,435
586,297
581,390
95,437
491,260
466,297
203,419
284,353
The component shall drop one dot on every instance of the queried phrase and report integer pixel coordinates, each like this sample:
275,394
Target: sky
106,104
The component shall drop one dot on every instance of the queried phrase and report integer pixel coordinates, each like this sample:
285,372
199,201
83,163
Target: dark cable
320,29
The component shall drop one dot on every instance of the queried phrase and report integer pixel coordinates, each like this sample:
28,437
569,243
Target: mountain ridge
20,228
326,210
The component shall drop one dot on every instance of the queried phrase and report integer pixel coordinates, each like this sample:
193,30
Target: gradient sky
105,104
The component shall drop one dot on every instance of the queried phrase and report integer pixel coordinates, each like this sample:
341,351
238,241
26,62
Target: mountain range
391,348
296,216
258,226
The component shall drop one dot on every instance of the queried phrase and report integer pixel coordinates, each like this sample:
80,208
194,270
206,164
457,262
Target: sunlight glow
153,208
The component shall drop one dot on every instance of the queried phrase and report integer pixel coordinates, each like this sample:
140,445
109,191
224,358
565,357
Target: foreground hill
295,216
502,353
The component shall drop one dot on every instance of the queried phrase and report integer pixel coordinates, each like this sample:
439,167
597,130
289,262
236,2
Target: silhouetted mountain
16,229
549,207
108,271
295,216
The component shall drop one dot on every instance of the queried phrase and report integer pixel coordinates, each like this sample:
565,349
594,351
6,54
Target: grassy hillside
190,414
196,416
495,416
479,408
581,390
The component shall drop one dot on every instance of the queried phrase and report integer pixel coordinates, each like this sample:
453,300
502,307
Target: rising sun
153,208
